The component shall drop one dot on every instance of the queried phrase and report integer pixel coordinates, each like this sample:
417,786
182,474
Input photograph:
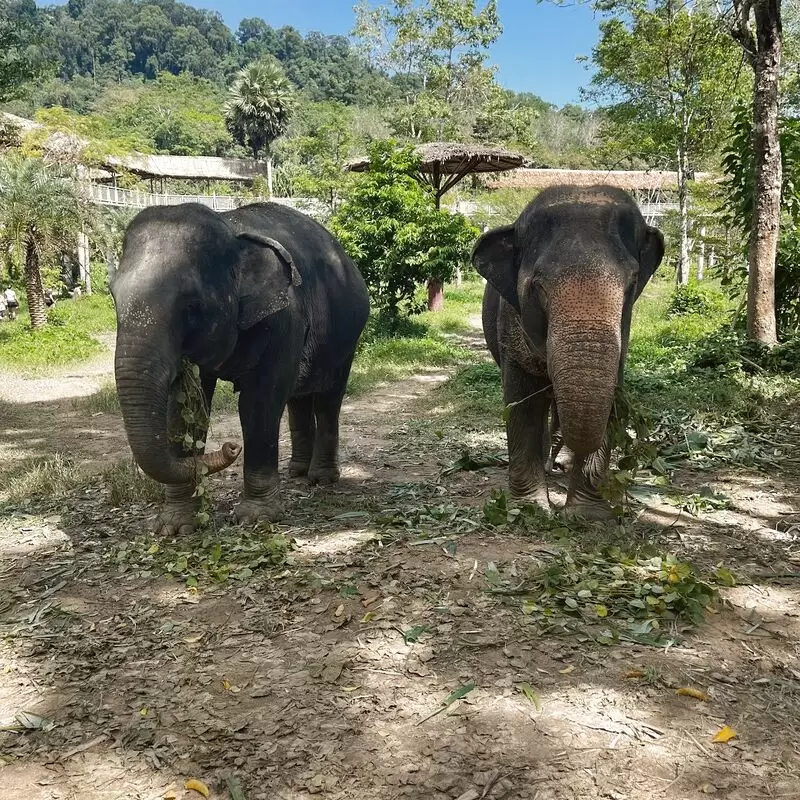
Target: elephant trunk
584,366
143,381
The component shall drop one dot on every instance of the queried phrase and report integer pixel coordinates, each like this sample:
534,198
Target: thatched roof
622,179
189,167
450,158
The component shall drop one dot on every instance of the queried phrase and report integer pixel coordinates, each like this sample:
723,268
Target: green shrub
694,298
395,234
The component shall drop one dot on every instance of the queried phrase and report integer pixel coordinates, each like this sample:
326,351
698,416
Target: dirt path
314,679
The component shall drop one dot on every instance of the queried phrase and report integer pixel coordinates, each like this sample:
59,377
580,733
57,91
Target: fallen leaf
696,693
527,690
170,794
331,673
567,670
725,735
195,785
368,601
634,673
367,617
339,611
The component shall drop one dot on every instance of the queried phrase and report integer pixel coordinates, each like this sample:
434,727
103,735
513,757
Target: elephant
561,282
262,296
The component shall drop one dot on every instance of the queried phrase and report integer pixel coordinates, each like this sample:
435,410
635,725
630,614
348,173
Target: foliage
194,419
42,213
609,594
229,554
180,115
694,298
22,41
738,165
259,105
436,49
317,146
668,75
392,229
65,340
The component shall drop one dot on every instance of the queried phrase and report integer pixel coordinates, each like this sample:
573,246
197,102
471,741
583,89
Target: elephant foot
297,469
595,511
251,512
176,520
534,497
323,475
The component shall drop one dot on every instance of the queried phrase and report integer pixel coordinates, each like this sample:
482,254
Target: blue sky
536,52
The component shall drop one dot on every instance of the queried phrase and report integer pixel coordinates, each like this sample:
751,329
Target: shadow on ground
314,678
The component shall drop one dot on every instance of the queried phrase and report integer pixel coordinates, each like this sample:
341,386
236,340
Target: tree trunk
701,255
269,176
683,206
435,295
761,324
33,284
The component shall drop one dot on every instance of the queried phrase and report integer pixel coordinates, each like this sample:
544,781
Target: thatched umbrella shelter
441,166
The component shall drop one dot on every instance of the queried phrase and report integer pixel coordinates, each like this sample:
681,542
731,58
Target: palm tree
41,215
260,102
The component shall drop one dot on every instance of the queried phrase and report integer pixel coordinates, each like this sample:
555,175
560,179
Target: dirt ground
298,681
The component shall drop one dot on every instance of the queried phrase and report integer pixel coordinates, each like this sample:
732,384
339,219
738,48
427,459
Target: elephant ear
650,255
493,257
267,273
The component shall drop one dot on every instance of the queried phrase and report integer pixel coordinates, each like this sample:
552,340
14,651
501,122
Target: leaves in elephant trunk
194,414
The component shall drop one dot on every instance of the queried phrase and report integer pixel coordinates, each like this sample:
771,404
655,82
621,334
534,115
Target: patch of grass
460,303
474,391
91,313
42,479
225,401
103,401
127,484
392,350
388,360
64,340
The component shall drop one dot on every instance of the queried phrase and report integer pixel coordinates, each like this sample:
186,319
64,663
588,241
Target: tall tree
763,51
668,76
42,215
437,49
259,106
22,40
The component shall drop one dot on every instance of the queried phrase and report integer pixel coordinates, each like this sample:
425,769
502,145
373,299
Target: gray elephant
561,283
262,296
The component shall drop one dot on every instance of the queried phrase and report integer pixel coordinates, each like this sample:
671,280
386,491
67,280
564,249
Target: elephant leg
327,406
527,434
180,508
583,498
260,409
303,430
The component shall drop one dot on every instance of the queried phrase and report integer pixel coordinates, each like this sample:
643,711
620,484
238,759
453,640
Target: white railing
132,198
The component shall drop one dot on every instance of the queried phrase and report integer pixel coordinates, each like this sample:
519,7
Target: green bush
693,298
395,234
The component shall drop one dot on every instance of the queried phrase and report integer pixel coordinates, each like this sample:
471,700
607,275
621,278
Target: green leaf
412,634
528,691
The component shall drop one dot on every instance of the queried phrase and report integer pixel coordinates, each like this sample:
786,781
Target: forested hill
153,75
104,41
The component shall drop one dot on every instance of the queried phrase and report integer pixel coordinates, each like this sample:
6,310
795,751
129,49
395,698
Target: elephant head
188,283
571,266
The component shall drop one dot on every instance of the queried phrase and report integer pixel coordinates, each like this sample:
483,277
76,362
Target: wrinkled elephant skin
262,296
561,283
